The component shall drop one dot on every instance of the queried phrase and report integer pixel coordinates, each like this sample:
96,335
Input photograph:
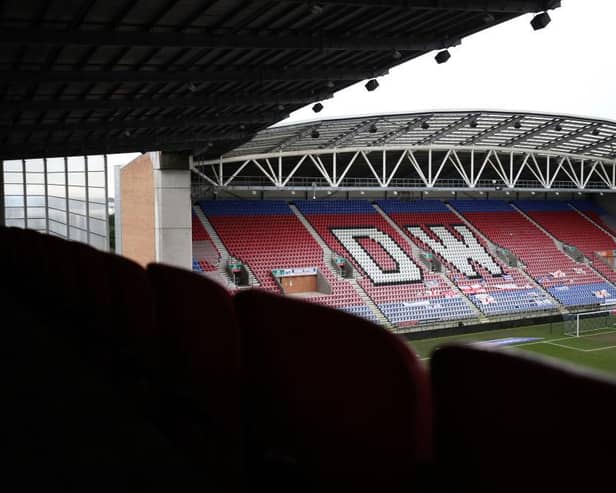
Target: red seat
509,422
344,400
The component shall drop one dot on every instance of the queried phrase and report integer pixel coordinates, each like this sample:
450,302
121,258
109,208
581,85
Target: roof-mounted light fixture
540,21
371,85
442,56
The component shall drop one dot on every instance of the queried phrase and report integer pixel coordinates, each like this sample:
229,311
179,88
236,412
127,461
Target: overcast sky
569,67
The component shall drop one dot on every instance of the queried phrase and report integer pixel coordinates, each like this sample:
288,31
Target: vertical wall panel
63,196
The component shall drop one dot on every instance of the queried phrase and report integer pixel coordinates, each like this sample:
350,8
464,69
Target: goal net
577,324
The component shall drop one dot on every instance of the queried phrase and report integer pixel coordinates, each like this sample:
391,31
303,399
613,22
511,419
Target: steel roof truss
294,170
440,168
395,170
321,167
417,167
348,167
371,167
271,177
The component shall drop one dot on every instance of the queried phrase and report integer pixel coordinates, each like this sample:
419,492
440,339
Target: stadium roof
541,132
99,76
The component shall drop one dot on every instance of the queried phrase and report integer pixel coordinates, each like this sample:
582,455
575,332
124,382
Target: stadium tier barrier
114,377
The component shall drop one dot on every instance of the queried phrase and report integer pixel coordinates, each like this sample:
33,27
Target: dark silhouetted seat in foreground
114,377
332,399
510,422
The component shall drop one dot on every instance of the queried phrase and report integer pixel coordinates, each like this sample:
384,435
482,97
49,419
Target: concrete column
118,209
1,192
172,208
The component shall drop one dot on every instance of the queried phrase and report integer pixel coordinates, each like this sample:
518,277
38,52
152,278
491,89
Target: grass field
595,349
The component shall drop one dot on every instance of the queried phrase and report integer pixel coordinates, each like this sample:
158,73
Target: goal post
577,324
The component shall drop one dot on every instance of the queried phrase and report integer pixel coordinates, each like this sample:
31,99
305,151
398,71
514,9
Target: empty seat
505,420
340,401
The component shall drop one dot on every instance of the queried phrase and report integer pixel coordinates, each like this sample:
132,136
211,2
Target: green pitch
596,349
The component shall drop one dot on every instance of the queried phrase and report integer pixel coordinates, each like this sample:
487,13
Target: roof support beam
570,136
494,129
402,129
591,147
186,122
203,74
270,41
452,127
215,100
494,6
280,146
98,146
532,133
340,139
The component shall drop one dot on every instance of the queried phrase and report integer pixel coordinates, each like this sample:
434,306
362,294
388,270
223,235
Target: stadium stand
493,287
402,289
597,214
266,235
572,283
570,227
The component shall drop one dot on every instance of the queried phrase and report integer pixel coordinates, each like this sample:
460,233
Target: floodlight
280,107
192,87
371,85
373,128
425,125
316,9
473,123
396,55
330,84
540,21
442,56
317,107
517,124
315,134
558,127
596,131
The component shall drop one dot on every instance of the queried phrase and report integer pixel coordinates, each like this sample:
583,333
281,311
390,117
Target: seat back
337,399
200,369
78,356
505,421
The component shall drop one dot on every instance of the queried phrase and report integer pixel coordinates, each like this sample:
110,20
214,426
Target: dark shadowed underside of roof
94,76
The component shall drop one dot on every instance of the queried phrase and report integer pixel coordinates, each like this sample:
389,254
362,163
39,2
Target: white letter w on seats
456,252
